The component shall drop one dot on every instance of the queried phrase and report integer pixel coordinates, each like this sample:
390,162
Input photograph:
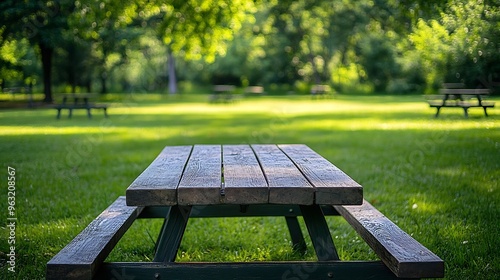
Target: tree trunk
172,79
104,78
47,52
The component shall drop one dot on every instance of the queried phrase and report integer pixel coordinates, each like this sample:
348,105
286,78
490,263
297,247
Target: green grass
436,178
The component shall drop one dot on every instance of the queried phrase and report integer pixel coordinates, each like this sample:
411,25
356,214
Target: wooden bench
402,254
460,98
21,90
254,90
79,102
186,182
320,90
222,93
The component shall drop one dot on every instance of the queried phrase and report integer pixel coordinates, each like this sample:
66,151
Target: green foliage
432,48
396,46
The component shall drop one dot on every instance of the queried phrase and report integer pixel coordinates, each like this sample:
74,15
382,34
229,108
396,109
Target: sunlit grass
437,178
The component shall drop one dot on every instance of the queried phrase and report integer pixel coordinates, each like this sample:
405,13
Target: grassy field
438,179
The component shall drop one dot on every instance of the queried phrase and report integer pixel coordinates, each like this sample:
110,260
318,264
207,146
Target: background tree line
151,45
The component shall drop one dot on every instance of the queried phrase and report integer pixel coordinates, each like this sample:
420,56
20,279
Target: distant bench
460,98
79,102
254,90
222,93
320,90
21,90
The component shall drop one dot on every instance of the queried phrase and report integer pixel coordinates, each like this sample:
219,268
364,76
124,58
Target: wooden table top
242,174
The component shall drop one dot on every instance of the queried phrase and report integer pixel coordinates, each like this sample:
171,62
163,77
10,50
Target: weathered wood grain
202,179
244,182
332,185
402,254
81,258
157,184
287,185
249,270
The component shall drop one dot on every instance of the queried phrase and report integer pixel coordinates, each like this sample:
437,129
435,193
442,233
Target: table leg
319,232
171,233
296,234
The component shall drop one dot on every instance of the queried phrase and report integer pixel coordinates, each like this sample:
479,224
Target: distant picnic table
72,102
454,95
21,91
202,181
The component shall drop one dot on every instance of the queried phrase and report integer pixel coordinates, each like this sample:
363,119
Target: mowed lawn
438,179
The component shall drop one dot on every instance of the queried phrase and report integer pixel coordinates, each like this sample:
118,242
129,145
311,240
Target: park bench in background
222,93
79,101
320,90
254,90
241,181
27,91
454,95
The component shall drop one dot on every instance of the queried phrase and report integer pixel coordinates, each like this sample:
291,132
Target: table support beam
171,233
248,270
296,234
319,232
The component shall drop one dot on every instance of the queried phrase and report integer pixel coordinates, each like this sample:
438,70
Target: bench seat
402,254
87,107
81,258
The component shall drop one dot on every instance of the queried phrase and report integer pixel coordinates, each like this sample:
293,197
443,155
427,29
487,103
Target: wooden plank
331,184
248,270
287,185
466,91
405,256
157,184
244,182
202,178
81,258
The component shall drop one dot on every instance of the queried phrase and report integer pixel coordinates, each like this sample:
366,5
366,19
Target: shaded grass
436,178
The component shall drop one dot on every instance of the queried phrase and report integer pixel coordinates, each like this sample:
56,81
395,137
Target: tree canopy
355,46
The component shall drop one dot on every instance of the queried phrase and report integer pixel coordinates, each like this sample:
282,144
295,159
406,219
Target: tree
43,23
194,29
105,25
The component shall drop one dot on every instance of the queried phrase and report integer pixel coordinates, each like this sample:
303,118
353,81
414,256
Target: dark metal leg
485,113
105,113
88,113
171,233
319,232
58,113
466,113
437,112
70,113
296,234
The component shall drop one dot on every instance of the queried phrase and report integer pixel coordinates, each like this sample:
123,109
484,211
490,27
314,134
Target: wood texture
287,185
249,270
244,182
202,179
332,185
157,185
405,256
81,258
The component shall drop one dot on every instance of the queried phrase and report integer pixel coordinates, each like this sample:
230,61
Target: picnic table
461,98
204,181
79,101
223,93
